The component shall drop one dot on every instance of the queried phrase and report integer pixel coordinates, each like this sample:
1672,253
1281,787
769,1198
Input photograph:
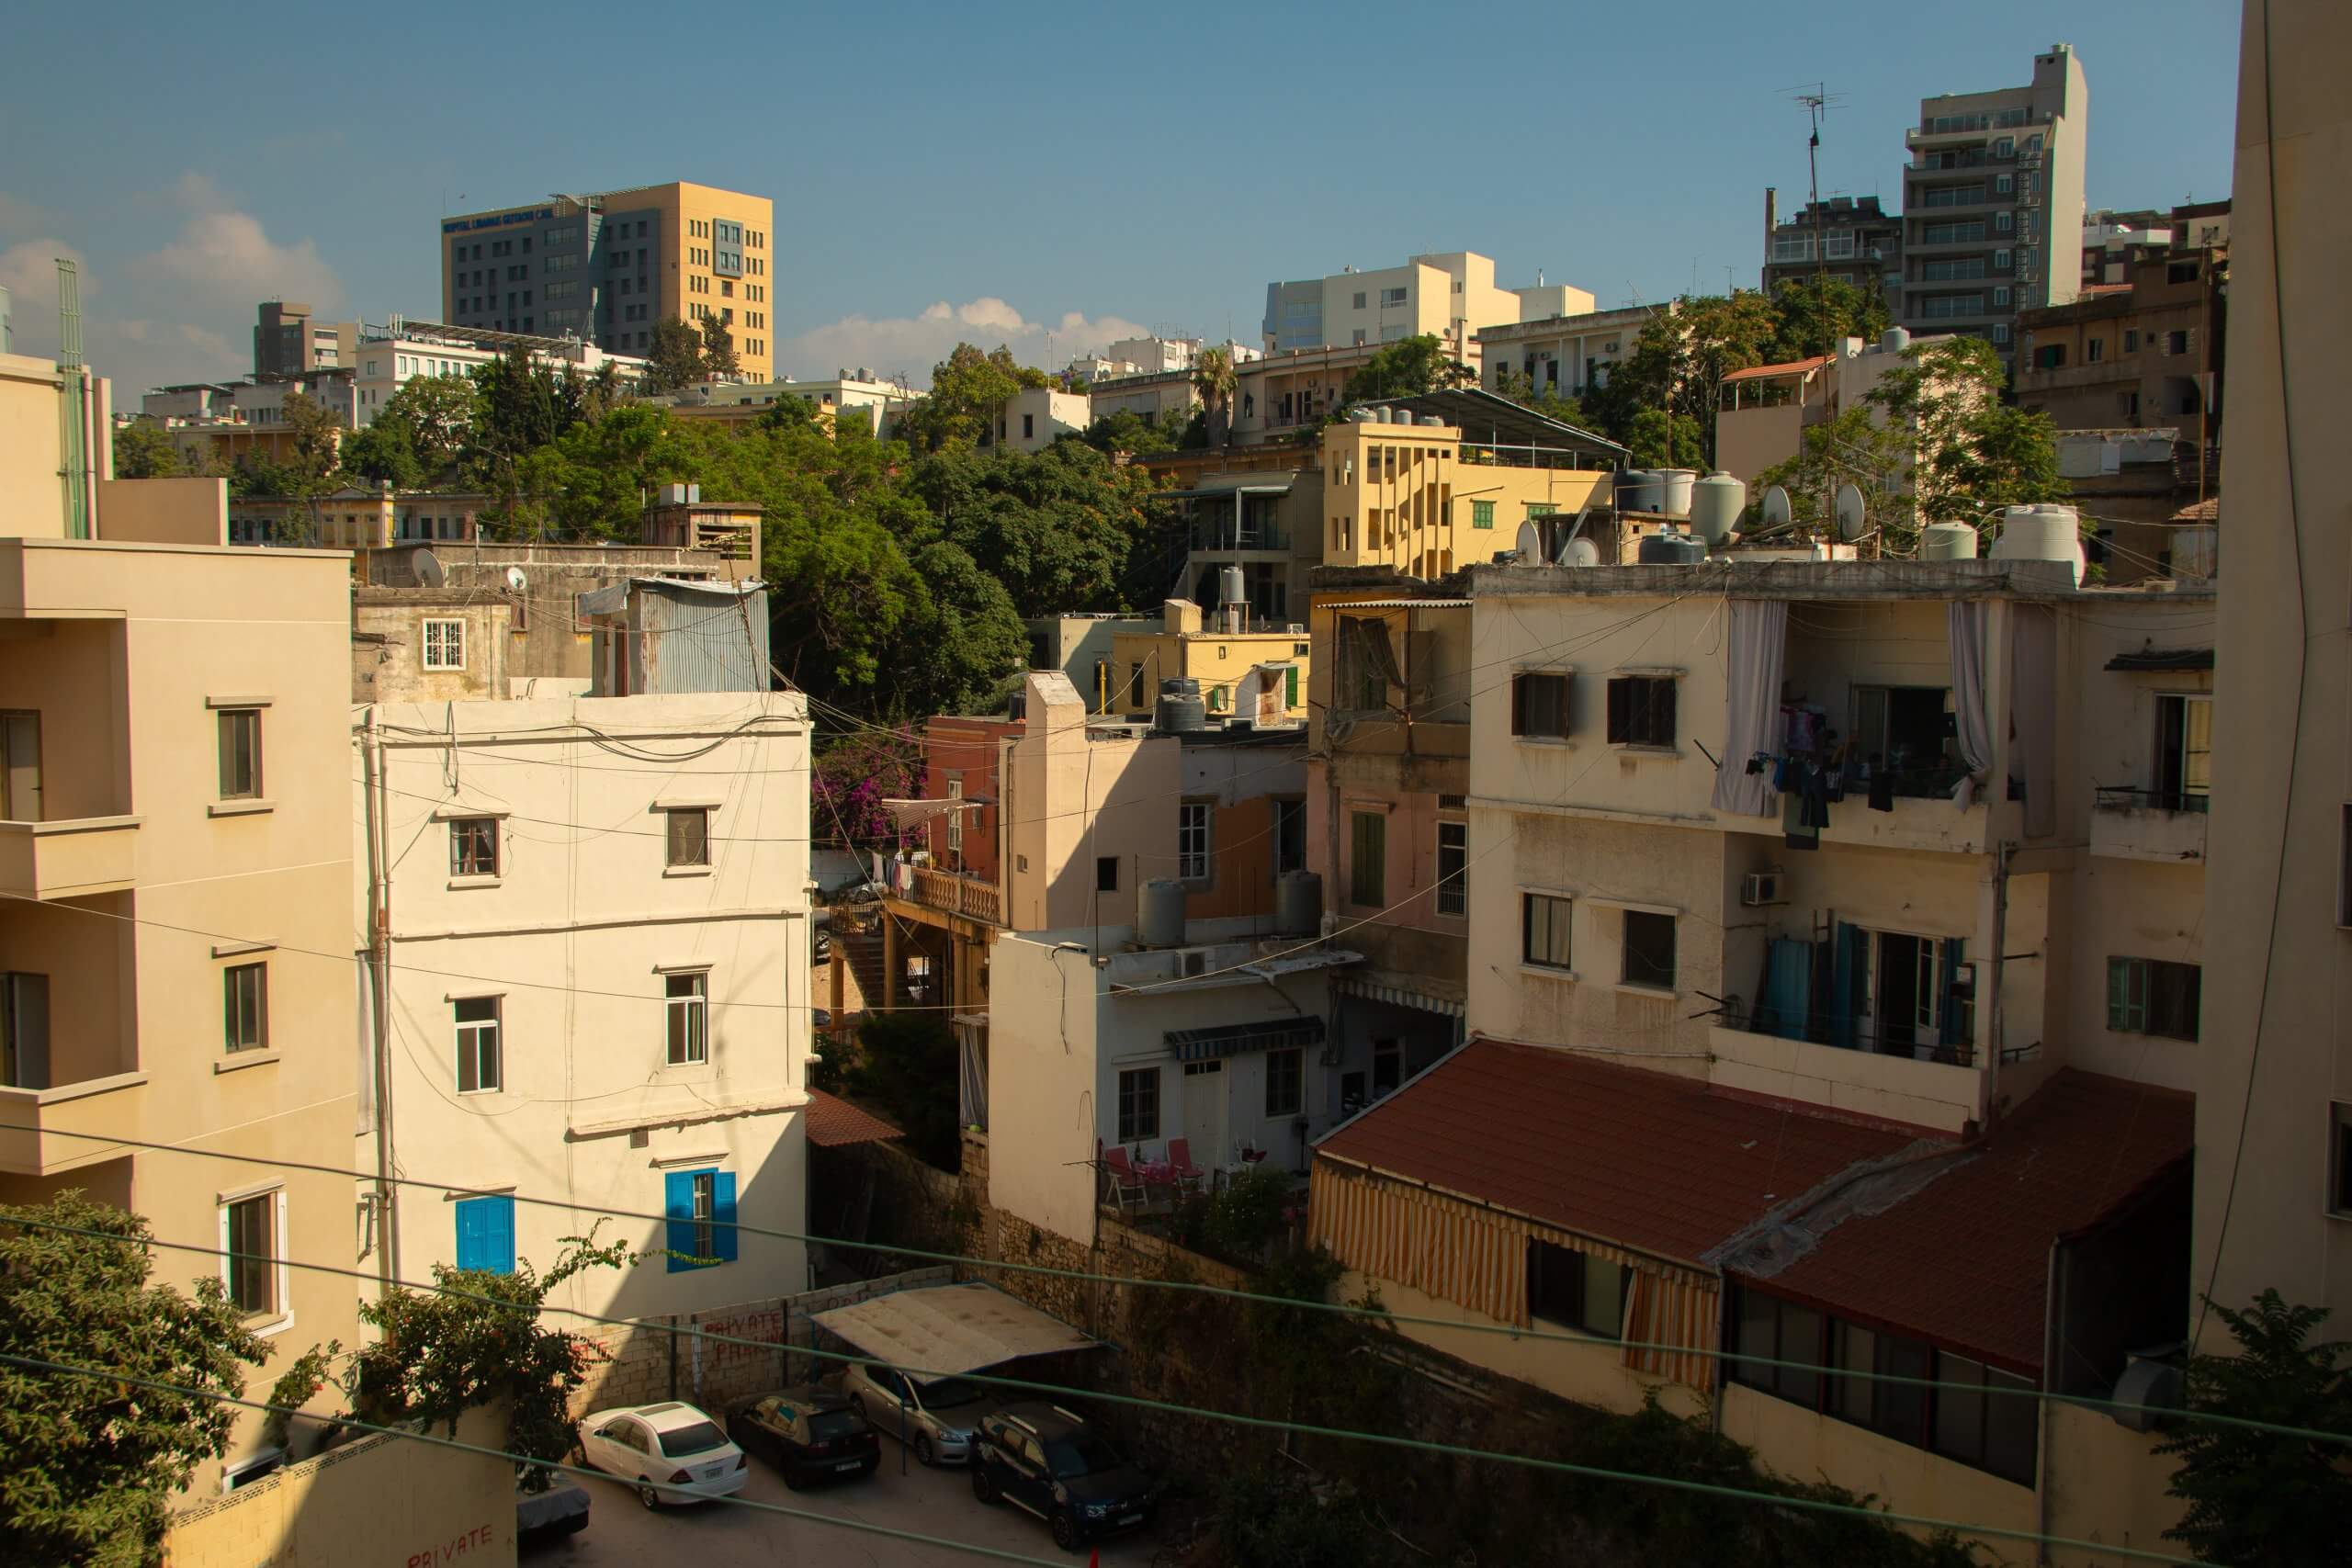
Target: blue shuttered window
698,1209
486,1234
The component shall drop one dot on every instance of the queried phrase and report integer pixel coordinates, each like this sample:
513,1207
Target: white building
388,356
1035,417
741,402
1449,294
1566,355
598,988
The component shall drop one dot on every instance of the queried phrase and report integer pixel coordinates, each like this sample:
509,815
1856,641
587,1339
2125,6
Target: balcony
37,1124
1944,1093
956,894
68,860
2154,825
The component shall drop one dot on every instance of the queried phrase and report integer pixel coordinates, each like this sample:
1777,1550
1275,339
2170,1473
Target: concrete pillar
889,1000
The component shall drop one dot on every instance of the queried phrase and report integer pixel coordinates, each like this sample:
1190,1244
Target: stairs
860,946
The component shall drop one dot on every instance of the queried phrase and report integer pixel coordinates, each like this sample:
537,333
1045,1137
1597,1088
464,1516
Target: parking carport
940,1330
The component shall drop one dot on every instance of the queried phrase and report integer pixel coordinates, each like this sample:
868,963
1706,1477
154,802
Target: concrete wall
1240,785
1046,1112
382,1502
576,937
388,645
1073,797
164,512
2277,1047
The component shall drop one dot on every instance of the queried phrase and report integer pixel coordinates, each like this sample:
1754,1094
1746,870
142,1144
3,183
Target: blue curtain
1788,988
1849,961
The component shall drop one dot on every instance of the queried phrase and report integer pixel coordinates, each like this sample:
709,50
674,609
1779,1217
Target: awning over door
1232,1039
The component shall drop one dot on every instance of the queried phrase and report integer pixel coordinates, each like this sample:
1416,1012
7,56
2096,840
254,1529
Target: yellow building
606,267
1221,658
1418,498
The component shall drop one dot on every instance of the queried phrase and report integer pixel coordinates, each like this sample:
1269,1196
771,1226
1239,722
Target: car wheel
792,1476
923,1452
579,1455
983,1483
1065,1530
647,1494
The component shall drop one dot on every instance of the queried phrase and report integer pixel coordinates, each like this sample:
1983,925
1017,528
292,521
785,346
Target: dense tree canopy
967,389
1406,368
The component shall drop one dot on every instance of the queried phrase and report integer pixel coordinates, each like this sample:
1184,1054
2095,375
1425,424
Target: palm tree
1213,378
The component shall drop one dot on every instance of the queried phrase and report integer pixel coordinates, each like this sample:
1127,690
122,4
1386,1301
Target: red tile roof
1648,1160
1758,372
833,1122
1965,1261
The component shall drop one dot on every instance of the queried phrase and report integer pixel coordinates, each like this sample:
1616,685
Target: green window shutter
1482,514
1367,862
1290,687
2119,995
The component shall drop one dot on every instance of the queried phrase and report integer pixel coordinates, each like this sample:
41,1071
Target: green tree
143,451
1679,359
675,359
91,1463
967,388
1656,443
1406,368
1214,379
1056,528
2257,1496
1126,431
526,405
905,1068
1815,314
384,452
718,348
441,412
310,470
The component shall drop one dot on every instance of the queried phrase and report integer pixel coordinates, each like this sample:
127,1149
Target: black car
1047,1460
809,1434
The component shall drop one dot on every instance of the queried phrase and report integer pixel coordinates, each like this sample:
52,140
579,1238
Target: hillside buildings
1451,296
1847,238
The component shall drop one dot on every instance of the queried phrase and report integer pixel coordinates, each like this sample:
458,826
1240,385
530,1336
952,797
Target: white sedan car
672,1451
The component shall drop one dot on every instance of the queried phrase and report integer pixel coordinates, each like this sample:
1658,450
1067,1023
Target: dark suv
1048,1461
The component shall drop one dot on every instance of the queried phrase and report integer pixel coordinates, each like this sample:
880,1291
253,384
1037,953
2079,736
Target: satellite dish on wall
1529,544
1580,552
516,580
1853,520
427,567
1776,510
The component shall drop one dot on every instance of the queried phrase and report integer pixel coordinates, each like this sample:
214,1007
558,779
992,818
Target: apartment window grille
445,645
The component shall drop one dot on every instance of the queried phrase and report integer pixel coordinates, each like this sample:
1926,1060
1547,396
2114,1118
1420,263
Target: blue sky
995,172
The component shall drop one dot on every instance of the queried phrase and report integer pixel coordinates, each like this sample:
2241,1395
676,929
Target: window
2001,295
2176,343
689,835
1482,514
1368,859
2130,340
688,1006
1897,1409
250,1269
1134,686
244,1007
1649,949
2000,332
1980,1425
1106,873
1192,855
2152,996
2339,1171
24,1031
698,1207
2094,350
2001,185
1544,929
1577,1290
1138,1104
240,753
1640,710
1286,1083
2184,751
486,1233
1453,868
1359,304
480,1063
473,846
2004,221
1539,706
2001,261
1391,297
1775,1330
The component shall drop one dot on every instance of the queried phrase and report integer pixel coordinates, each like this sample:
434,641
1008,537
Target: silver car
934,1415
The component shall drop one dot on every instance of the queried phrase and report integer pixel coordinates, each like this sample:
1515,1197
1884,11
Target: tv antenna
1818,100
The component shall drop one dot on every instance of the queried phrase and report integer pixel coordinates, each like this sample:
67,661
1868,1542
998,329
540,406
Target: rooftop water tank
1638,490
1671,549
1894,340
1675,483
1229,587
1180,710
1298,903
1947,541
1716,503
1431,421
1159,913
2041,533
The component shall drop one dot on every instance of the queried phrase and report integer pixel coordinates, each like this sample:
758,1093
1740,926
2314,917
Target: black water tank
1180,710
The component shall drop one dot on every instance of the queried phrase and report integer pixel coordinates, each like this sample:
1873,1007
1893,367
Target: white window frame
695,1006
281,1317
1197,840
447,629
1453,896
470,1033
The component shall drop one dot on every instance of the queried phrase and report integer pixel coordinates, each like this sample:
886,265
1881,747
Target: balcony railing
958,894
70,859
2150,824
2125,798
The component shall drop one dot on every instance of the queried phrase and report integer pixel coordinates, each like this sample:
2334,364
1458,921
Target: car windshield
943,1392
700,1437
836,1423
1080,1453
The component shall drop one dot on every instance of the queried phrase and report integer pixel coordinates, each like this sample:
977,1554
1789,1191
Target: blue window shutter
678,1208
501,1211
471,1233
722,1213
1954,956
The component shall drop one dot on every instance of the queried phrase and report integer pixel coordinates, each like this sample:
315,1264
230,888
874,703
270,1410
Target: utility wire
1451,1451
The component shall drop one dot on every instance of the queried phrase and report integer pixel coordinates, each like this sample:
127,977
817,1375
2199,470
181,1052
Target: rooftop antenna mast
1817,100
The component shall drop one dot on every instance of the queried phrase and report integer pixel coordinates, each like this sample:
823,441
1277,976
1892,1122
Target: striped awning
1477,1256
1371,987
1230,1039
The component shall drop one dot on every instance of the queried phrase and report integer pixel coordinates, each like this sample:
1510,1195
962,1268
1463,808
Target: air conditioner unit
1761,888
1195,963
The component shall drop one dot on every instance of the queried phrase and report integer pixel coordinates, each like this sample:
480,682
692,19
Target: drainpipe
379,965
2000,940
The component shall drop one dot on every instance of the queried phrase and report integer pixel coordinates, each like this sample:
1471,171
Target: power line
1451,1451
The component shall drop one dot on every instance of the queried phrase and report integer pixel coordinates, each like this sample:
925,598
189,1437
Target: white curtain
1760,640
2033,720
1975,725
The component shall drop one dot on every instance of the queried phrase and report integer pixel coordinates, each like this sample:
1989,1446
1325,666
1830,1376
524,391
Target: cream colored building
1766,409
175,841
1223,655
1418,497
1565,355
2274,1129
742,402
598,984
1036,417
56,446
1449,294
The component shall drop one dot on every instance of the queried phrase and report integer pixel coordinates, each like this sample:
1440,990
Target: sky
998,173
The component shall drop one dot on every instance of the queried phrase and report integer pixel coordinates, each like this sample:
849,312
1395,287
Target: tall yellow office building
606,267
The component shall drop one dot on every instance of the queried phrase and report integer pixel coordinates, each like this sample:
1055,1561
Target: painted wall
1075,797
1240,784
164,512
576,937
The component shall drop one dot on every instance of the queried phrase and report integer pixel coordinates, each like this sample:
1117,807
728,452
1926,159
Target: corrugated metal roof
1788,367
1399,603
945,1329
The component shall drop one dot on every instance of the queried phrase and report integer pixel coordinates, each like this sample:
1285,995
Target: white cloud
911,345
224,254
28,272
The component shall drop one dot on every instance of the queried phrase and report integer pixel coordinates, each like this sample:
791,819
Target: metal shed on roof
943,1329
668,635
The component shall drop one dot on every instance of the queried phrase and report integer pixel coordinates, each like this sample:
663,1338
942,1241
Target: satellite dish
516,580
1853,521
427,567
1776,511
1529,544
1580,552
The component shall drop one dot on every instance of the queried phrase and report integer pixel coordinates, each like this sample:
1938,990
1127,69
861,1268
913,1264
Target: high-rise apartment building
290,341
1993,202
606,267
1848,239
